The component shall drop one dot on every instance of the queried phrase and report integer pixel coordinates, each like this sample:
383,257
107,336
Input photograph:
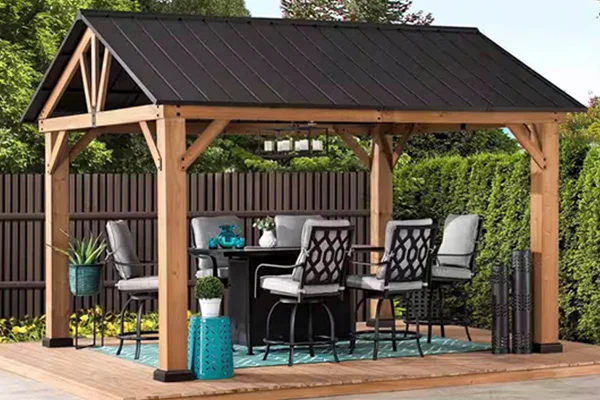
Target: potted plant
209,292
267,226
85,267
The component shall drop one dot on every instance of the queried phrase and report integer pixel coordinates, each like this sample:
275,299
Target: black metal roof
168,59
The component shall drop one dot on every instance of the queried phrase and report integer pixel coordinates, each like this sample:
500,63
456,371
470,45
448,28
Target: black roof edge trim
281,21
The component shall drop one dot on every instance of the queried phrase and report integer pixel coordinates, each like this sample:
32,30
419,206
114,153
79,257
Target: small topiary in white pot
209,292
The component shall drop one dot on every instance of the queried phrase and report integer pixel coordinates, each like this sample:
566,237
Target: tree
462,144
380,11
224,8
30,33
584,126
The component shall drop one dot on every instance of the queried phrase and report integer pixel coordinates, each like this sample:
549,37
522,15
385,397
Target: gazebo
168,77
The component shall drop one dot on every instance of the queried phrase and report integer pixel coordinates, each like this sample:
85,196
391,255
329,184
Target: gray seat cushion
460,236
205,228
284,284
450,272
389,231
371,282
288,229
143,284
123,249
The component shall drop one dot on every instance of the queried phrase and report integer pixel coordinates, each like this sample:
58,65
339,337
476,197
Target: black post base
546,348
173,376
57,342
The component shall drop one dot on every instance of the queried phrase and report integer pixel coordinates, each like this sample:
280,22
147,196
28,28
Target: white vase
267,239
210,307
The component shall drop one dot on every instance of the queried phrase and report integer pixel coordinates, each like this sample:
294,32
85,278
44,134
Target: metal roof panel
291,63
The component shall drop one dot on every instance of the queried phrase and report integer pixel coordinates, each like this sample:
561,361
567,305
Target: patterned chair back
326,247
408,251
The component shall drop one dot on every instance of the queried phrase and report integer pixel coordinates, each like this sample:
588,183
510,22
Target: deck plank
90,374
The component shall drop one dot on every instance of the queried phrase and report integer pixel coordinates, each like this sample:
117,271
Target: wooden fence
97,198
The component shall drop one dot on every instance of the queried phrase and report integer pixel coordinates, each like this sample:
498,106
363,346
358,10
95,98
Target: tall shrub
496,186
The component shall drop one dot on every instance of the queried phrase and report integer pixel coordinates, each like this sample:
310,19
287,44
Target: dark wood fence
97,198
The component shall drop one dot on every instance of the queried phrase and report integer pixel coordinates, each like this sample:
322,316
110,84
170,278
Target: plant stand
96,300
210,354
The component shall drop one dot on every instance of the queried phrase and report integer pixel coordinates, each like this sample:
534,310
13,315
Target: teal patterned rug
279,355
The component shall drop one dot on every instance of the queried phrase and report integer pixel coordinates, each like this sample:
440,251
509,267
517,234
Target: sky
558,39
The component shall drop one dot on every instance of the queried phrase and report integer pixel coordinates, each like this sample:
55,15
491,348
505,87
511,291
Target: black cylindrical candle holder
522,337
500,311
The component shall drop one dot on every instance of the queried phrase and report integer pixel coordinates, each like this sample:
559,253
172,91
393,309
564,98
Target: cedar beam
66,75
103,85
544,242
128,115
360,116
82,144
151,145
202,142
351,142
94,70
384,142
172,257
86,83
401,146
56,236
523,135
58,151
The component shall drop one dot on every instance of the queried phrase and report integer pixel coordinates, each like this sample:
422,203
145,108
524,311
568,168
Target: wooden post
172,253
544,240
381,199
57,264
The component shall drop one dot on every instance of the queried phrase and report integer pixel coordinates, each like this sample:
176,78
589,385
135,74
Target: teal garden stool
210,354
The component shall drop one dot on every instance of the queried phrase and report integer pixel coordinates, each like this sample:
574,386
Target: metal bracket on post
93,116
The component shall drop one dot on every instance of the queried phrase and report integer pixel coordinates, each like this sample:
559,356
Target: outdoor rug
279,355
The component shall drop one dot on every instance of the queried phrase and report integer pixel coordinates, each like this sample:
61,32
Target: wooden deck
93,375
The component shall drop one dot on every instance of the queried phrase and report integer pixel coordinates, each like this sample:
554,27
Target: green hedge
496,186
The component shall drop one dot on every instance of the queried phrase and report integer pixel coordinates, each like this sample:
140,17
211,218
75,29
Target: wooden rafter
202,142
151,144
523,136
58,151
94,70
66,75
82,144
103,85
86,82
351,142
401,145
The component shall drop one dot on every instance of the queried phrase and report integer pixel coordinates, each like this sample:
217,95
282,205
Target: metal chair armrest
269,266
213,260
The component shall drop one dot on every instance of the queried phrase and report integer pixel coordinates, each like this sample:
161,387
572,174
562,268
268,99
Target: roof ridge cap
279,21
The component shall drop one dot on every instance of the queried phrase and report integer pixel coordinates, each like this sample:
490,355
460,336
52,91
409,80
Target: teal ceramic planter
84,280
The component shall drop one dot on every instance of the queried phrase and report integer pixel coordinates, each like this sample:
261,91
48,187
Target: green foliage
31,329
383,11
264,224
225,8
209,287
496,186
461,144
84,251
585,126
